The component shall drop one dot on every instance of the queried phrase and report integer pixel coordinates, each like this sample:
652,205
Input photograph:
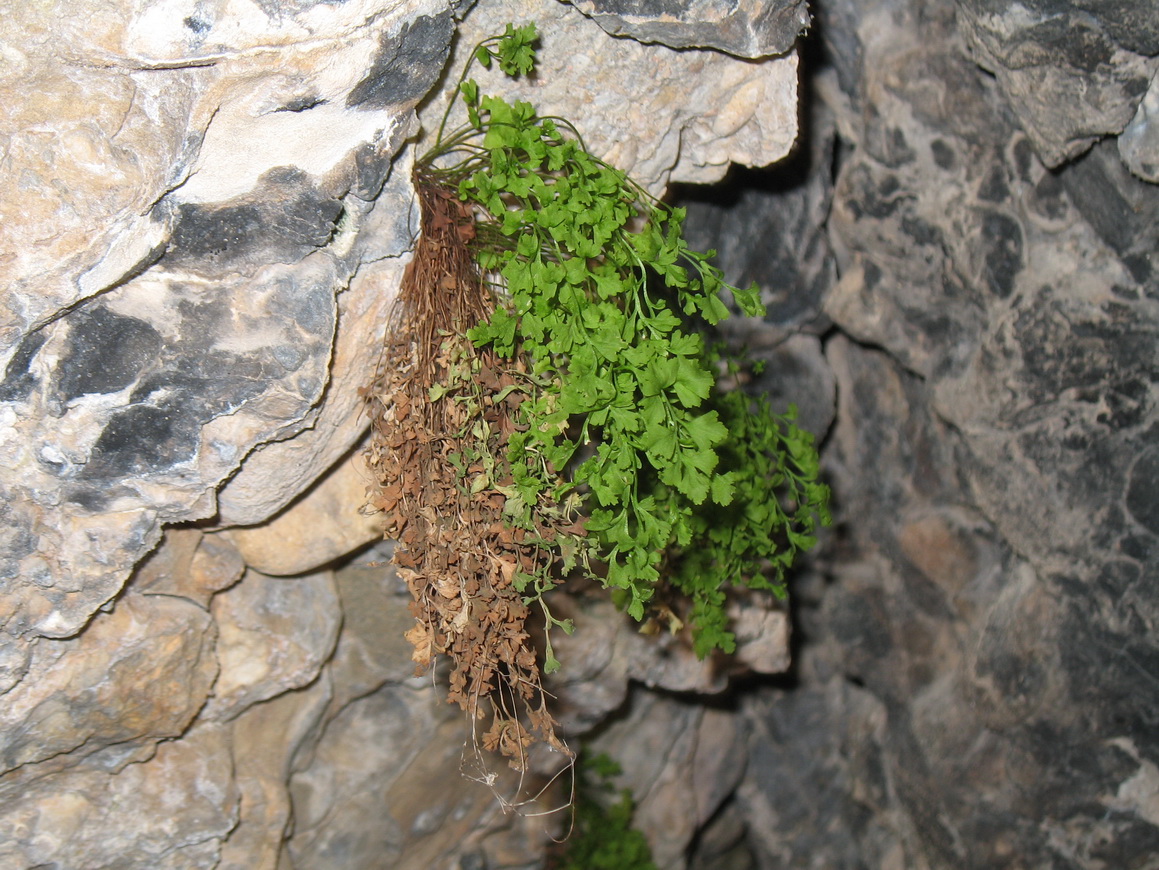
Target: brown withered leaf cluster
439,464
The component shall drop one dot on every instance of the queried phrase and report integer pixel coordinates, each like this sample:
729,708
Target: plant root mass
439,452
547,406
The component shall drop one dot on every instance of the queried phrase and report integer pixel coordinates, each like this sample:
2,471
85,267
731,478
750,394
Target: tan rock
265,738
133,389
337,798
190,564
386,788
608,651
762,635
372,649
275,635
139,673
325,524
680,761
171,811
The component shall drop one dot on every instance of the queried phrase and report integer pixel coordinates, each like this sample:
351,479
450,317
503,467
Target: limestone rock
386,786
749,29
608,651
209,216
768,227
323,525
1073,72
139,673
277,472
199,355
1122,209
172,810
265,739
232,162
681,762
372,648
995,369
362,751
15,655
1139,141
660,115
275,635
189,564
830,736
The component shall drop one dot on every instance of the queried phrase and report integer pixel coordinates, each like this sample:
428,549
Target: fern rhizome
547,408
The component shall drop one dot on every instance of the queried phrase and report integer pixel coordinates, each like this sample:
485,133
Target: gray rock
824,743
1139,141
680,761
971,681
208,220
746,29
138,674
142,364
275,635
386,785
188,320
1072,72
1123,210
372,649
767,227
699,111
265,740
608,652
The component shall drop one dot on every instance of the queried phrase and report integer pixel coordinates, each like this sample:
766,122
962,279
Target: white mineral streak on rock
277,472
1139,141
746,28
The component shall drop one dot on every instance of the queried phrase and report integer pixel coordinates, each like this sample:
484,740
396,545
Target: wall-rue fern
549,365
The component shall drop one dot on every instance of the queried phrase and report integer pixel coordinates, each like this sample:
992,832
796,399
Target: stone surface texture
1073,71
700,110
974,678
746,29
206,215
207,212
177,263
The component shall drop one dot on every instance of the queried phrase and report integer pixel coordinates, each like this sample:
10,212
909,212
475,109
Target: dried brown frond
439,464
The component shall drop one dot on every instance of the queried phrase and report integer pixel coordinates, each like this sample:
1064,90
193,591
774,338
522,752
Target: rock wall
974,683
207,211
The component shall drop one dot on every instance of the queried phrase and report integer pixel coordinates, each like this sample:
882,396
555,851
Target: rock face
1072,71
973,686
208,211
236,173
744,29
